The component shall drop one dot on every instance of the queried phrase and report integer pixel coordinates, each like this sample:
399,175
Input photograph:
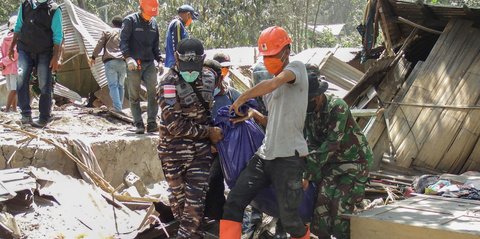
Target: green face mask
189,76
41,1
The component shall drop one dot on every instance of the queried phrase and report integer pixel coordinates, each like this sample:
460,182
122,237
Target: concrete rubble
116,149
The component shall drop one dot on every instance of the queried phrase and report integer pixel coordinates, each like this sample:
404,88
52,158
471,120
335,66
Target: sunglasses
191,56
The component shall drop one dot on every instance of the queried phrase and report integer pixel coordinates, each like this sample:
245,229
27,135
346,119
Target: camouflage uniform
338,162
184,147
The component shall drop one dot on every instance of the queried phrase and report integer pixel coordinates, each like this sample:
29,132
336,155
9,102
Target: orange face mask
189,21
146,16
225,71
274,65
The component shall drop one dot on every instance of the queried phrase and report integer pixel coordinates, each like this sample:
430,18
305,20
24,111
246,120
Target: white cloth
11,82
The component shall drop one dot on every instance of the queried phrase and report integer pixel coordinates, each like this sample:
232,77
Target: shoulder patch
169,91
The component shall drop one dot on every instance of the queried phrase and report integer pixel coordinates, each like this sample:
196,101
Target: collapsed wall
116,149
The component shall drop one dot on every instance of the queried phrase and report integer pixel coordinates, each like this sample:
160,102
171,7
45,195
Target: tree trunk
315,24
305,30
81,3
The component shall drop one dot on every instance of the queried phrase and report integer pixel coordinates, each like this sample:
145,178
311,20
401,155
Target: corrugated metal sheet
341,76
86,29
316,55
63,91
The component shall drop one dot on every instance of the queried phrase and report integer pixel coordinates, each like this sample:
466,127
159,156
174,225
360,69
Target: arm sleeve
336,127
176,32
57,27
156,47
298,69
100,45
19,23
172,119
125,37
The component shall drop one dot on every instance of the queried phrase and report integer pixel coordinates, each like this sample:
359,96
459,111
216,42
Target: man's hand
131,64
215,134
250,114
305,184
54,64
236,105
91,62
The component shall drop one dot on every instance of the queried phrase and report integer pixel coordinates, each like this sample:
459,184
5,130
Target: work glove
131,64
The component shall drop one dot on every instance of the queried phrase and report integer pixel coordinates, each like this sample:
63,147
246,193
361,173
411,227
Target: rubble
116,148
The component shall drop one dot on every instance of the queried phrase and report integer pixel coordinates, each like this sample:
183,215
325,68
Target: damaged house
425,87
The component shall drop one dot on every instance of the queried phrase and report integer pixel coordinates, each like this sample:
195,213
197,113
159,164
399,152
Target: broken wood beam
408,22
459,107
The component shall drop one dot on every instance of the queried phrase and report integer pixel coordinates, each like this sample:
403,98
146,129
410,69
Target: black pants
285,174
216,191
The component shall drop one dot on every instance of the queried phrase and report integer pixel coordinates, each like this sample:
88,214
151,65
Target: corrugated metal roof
84,29
316,55
63,91
341,76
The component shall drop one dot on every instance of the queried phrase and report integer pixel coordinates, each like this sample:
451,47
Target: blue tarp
239,144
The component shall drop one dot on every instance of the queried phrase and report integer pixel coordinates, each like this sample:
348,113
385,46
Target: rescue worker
38,35
115,67
225,63
223,96
177,31
280,160
338,162
139,41
187,134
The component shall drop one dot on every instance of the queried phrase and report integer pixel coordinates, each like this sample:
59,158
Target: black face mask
311,106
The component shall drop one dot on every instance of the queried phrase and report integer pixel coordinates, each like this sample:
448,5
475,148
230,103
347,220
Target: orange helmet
272,40
149,7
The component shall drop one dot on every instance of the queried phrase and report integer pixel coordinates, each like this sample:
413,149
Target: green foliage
8,8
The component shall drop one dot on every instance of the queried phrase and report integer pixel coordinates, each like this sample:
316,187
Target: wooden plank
466,138
436,66
362,228
410,114
398,121
473,160
364,112
420,217
450,121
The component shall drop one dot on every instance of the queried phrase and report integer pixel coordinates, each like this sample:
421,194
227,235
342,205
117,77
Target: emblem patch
169,91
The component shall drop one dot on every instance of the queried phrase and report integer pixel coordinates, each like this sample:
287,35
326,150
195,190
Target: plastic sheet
239,144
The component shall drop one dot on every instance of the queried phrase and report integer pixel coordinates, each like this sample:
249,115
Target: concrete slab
113,142
421,217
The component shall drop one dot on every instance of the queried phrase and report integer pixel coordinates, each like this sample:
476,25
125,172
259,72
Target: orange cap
272,40
149,7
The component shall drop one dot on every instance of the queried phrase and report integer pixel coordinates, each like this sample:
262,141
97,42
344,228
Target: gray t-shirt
287,109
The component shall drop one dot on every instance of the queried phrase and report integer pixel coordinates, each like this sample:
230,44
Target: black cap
189,46
214,65
316,86
190,9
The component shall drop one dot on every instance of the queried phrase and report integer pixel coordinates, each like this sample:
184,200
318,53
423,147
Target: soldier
338,162
186,135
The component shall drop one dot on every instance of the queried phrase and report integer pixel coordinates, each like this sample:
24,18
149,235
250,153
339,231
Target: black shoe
140,128
26,120
40,123
152,127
